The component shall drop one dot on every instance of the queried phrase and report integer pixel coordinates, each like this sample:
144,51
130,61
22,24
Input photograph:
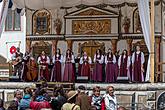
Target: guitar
16,61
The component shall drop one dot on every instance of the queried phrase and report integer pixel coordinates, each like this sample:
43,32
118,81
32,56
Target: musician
43,61
110,61
85,61
98,68
124,64
29,68
25,67
17,62
68,69
137,65
57,60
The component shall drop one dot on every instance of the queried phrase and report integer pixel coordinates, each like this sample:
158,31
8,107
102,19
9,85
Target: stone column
114,45
70,43
28,45
157,53
129,47
54,46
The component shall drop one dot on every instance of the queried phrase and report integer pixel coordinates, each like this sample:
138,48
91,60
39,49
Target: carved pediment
92,11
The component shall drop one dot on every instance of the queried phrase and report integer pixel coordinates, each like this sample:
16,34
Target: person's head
85,53
121,108
109,50
98,51
18,49
72,96
81,89
110,90
59,91
124,52
18,94
137,48
58,51
96,91
28,90
68,51
43,53
27,53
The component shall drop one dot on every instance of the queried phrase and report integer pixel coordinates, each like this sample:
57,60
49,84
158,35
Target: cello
31,74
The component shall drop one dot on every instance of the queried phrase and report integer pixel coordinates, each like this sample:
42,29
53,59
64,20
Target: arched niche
161,101
41,22
136,22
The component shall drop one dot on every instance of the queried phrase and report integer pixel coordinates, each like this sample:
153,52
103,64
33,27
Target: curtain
3,13
143,7
52,4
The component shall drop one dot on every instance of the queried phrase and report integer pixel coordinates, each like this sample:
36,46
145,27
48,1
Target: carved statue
58,25
126,24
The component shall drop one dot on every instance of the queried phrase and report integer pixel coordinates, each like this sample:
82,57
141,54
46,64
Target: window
13,21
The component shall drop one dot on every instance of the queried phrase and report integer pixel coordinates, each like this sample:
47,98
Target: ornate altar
91,22
40,46
90,47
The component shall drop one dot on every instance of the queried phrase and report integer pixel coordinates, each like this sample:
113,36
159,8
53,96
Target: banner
11,48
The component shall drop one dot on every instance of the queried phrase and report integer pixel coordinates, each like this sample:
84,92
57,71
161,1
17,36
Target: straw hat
71,94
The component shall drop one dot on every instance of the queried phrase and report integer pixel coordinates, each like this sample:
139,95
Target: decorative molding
135,35
92,37
92,12
151,96
152,105
44,37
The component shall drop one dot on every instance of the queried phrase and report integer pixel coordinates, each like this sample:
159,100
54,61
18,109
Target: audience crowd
61,99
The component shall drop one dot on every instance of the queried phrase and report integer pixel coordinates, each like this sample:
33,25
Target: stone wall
133,96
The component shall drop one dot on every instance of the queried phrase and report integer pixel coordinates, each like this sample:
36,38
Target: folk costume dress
98,68
137,62
68,68
124,66
85,62
56,73
43,61
110,61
